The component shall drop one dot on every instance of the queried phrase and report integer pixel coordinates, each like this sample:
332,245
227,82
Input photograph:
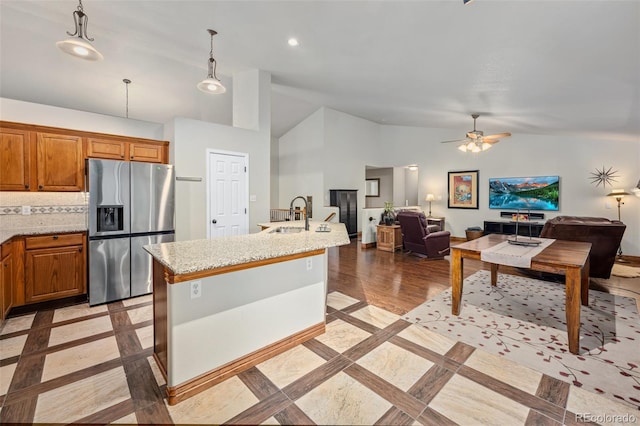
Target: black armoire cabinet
347,202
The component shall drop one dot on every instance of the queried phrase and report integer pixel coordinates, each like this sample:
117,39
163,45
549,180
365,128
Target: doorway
227,189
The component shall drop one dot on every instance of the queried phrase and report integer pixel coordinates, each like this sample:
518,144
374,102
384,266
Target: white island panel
241,312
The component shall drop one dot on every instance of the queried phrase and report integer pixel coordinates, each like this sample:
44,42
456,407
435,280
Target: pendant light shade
211,84
79,44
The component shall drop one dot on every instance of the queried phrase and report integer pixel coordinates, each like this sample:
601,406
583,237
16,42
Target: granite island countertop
184,257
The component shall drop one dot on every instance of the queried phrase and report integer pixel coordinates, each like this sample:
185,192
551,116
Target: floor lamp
619,194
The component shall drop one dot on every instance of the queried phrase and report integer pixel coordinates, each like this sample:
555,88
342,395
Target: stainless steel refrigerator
131,204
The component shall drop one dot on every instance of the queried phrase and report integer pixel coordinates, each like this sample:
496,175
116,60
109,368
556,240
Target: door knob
214,221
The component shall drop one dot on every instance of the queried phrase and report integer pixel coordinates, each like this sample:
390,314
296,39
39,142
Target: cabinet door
109,149
60,163
6,285
146,152
15,162
54,273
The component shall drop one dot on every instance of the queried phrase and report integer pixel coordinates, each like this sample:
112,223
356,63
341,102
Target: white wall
385,188
351,142
189,143
46,115
275,173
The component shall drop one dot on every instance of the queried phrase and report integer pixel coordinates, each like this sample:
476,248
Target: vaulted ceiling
527,66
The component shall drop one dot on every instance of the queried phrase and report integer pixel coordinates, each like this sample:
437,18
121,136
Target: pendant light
79,43
211,84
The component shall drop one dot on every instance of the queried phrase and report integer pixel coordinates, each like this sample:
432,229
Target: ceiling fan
476,140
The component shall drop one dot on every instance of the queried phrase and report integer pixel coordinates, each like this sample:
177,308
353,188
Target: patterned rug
523,319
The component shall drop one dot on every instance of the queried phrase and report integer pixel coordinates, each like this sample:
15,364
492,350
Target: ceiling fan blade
490,141
498,135
457,140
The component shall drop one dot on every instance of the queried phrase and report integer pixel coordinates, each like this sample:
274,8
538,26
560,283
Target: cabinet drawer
53,240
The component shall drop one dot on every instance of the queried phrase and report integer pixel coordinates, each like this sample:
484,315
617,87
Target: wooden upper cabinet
107,148
15,161
60,162
146,152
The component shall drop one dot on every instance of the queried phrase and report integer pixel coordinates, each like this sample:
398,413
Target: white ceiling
527,66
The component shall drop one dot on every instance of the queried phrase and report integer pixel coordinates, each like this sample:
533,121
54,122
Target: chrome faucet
306,211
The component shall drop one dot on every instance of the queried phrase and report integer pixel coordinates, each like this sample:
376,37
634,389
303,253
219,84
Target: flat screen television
525,193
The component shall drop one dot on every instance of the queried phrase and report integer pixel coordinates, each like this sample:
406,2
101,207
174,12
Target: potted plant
388,216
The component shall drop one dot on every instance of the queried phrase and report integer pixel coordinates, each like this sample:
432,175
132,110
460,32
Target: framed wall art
463,190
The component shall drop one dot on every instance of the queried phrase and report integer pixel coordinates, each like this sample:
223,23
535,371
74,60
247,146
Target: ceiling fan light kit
476,141
78,43
211,84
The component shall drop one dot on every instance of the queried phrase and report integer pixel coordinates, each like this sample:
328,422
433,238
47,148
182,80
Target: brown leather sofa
604,235
417,237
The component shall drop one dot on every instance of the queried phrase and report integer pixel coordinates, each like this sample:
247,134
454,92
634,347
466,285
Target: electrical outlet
309,263
26,210
196,289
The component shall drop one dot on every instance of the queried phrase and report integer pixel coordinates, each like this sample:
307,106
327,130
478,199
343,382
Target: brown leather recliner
416,235
604,235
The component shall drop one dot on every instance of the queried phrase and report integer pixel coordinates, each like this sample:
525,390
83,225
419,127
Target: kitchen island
223,305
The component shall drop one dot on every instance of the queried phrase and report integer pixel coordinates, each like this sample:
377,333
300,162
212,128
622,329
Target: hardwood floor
398,282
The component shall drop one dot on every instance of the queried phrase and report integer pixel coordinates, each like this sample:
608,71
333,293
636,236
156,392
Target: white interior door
227,194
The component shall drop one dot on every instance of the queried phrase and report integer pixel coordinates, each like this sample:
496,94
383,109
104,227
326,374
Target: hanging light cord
212,61
82,22
126,82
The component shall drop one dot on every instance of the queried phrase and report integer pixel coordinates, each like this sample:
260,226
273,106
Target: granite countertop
6,234
185,257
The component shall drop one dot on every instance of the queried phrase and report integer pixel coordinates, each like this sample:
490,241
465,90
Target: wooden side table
389,238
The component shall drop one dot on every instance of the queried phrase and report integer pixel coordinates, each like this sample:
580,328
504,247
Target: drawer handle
80,250
55,237
40,187
27,186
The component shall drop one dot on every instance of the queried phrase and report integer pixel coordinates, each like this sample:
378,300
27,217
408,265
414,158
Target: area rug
523,319
625,271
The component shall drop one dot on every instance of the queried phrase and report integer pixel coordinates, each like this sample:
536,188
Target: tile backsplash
45,208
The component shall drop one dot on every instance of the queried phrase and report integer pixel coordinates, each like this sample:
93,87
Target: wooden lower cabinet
54,267
6,280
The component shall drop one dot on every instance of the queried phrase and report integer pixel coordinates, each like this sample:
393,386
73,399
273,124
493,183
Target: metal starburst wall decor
604,177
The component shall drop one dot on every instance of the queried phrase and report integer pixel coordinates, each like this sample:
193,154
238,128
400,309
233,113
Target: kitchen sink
287,230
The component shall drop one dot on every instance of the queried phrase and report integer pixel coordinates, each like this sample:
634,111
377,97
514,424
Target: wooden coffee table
569,258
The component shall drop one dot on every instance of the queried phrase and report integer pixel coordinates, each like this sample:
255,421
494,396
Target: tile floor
95,365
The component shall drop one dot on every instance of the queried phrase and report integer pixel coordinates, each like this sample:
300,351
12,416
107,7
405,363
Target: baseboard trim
181,392
368,245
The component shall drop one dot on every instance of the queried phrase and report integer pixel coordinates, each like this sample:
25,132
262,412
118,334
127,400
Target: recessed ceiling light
293,41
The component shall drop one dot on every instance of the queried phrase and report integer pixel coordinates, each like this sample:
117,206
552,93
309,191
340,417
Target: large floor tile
507,371
6,375
468,403
82,398
145,335
23,322
397,366
342,400
215,405
142,314
427,339
375,316
339,300
13,346
138,300
290,365
77,311
79,330
66,361
340,335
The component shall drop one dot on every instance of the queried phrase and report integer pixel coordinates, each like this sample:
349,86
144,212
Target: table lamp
430,198
618,194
